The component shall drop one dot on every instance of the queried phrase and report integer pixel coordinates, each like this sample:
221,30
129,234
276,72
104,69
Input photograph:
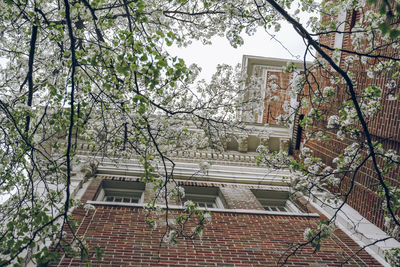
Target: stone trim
359,229
241,211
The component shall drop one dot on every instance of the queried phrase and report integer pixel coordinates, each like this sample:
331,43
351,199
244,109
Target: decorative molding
240,211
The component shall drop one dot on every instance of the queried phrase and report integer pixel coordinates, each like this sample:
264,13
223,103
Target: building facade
384,125
254,222
255,218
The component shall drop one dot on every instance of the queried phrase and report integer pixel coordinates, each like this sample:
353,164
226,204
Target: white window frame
111,190
287,207
204,195
275,204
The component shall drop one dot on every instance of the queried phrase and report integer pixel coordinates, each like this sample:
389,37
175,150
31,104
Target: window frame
122,189
278,200
204,194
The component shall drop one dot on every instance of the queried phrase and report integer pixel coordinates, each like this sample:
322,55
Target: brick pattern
95,183
272,109
229,240
92,189
384,127
240,198
235,196
363,197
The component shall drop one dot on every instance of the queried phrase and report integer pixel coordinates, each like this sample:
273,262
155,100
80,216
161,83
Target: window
275,200
299,132
121,191
205,197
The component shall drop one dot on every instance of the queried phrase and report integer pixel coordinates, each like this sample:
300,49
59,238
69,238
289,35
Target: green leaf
384,27
382,8
394,34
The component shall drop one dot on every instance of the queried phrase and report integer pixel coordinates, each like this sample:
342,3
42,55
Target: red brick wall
384,127
235,196
272,109
363,197
230,240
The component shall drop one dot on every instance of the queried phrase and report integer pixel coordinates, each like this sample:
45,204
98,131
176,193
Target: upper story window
204,197
299,132
275,200
121,191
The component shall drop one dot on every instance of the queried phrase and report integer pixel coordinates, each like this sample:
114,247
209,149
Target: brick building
255,222
275,85
384,125
255,219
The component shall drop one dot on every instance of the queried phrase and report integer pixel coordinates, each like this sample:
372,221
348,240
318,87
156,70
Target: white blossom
286,106
364,60
393,256
327,229
204,167
336,160
188,203
171,222
327,170
370,74
207,217
313,168
307,234
274,98
296,84
328,91
88,207
336,56
170,238
349,60
307,161
261,149
391,84
274,87
180,191
272,77
333,121
332,179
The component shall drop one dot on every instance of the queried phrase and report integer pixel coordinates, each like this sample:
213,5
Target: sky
260,44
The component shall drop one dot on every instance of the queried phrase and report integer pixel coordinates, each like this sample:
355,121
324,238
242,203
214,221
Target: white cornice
358,228
240,211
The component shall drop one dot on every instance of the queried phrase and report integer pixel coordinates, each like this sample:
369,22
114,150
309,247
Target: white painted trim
290,206
218,202
358,228
269,68
341,18
249,59
239,211
218,172
101,194
264,88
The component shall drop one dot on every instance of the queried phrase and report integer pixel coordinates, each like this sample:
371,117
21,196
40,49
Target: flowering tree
97,72
341,97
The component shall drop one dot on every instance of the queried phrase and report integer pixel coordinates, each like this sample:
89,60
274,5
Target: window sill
176,207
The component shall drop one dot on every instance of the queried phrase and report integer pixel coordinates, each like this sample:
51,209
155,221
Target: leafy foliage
97,72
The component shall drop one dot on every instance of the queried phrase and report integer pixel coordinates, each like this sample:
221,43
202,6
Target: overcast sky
260,44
